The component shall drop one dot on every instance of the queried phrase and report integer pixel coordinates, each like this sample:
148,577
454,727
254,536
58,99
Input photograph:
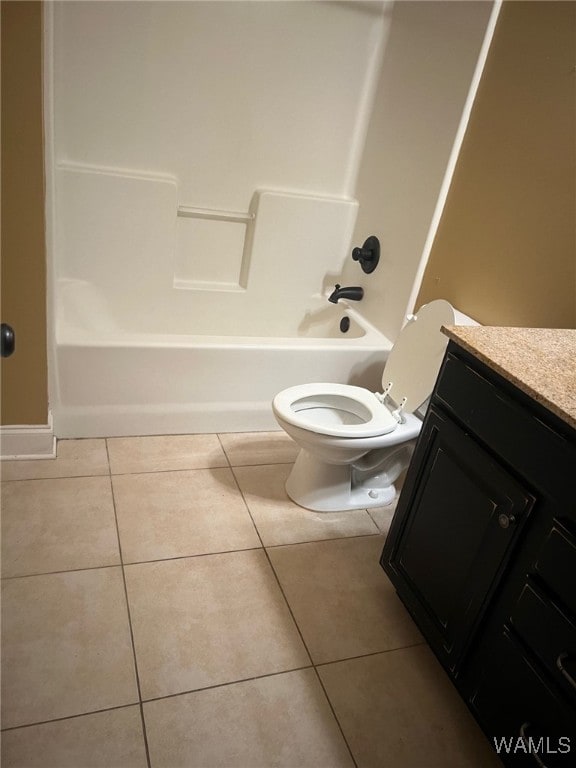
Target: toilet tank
461,319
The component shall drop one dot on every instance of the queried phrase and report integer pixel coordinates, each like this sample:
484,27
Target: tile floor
165,604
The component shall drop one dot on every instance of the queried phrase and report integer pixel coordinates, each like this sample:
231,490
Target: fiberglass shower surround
201,193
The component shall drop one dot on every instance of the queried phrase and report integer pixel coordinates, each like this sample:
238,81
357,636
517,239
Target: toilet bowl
356,443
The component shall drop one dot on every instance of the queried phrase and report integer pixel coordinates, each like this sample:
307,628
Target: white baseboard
26,441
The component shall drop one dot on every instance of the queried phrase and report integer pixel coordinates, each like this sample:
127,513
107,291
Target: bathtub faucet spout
354,293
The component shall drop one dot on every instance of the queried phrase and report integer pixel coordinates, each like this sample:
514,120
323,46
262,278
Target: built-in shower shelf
211,252
213,214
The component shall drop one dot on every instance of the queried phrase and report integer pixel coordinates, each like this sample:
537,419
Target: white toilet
355,443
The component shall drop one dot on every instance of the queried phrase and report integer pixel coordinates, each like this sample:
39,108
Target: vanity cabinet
482,551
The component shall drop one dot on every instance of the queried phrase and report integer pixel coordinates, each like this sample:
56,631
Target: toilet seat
343,410
414,361
340,410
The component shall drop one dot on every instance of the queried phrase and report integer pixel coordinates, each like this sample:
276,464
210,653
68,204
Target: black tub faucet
354,293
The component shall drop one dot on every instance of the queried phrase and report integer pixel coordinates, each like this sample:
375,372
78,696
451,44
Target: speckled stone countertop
539,361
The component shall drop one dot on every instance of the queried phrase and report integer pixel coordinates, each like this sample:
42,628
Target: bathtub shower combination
197,235
201,189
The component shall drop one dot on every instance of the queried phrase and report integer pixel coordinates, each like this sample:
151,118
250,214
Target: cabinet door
454,529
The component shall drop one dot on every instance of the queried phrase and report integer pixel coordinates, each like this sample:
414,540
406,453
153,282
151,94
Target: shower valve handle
368,255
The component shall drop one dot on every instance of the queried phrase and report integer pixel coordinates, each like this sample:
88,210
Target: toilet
356,443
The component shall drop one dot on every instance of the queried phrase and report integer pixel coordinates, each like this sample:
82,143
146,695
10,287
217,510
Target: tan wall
24,375
505,251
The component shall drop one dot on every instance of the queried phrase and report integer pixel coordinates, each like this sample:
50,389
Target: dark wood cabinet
466,513
482,551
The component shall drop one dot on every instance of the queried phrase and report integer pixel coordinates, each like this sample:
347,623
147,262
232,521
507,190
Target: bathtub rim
372,340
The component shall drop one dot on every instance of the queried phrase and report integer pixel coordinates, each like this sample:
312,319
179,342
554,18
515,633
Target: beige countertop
539,361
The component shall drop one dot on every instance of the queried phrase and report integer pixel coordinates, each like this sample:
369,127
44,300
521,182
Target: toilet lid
415,358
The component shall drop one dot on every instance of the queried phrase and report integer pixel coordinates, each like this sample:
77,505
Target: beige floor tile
57,525
66,646
280,521
203,621
74,458
246,448
173,514
382,516
400,709
158,453
282,720
110,739
343,602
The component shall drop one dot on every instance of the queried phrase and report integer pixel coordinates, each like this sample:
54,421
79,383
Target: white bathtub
110,380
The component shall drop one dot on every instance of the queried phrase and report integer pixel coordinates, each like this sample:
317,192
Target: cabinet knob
505,521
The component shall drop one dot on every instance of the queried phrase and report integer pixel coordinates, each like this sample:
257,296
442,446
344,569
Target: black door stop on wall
8,340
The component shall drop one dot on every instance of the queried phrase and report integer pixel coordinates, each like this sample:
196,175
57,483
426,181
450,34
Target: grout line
65,570
58,477
289,606
69,717
227,684
228,465
335,717
393,503
235,479
264,464
221,444
166,471
135,660
321,541
190,557
178,434
371,653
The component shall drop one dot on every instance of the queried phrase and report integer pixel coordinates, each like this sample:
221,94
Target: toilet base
323,487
